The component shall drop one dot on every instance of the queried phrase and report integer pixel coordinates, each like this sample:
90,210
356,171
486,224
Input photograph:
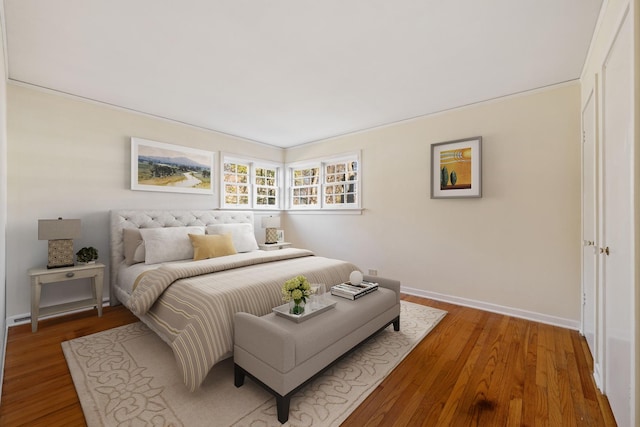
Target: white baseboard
24,318
597,376
495,308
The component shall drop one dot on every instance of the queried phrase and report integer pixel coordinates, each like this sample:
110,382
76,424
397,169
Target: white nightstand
43,276
273,246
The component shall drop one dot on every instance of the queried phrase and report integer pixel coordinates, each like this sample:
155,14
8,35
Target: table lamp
271,223
60,234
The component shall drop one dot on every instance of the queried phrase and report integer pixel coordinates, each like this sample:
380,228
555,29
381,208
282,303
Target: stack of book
351,291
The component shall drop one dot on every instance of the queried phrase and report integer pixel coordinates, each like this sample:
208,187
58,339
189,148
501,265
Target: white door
589,252
616,238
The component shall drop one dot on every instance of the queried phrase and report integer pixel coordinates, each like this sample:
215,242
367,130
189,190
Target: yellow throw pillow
211,245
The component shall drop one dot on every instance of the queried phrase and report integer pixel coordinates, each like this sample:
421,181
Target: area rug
127,377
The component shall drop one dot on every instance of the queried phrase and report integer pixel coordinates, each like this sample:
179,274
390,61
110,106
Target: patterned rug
127,377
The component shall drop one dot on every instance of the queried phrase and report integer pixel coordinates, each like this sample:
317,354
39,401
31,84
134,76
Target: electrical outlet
373,272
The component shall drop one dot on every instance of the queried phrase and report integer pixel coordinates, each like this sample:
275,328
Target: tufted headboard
140,218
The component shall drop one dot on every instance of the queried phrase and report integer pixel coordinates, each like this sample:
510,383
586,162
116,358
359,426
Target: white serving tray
283,310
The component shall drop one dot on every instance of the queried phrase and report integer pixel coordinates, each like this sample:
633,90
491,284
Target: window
340,183
331,183
266,186
250,184
236,184
305,186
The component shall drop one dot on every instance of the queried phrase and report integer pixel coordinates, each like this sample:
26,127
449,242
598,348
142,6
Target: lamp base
271,236
60,253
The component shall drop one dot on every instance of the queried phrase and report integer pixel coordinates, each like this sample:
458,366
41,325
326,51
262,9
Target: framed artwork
156,166
456,168
280,236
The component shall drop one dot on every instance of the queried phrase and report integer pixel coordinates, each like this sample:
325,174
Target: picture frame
157,166
280,236
456,168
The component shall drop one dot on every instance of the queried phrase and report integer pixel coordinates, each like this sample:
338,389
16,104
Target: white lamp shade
59,229
270,222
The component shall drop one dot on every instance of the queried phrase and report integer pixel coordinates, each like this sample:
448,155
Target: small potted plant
296,291
87,255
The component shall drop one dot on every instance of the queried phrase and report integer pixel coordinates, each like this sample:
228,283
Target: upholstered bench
283,355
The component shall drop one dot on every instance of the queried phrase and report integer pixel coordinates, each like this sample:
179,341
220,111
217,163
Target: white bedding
190,304
127,275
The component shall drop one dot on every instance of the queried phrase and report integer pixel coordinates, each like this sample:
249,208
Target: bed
190,303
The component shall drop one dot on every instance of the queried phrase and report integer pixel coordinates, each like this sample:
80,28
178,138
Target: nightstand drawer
60,276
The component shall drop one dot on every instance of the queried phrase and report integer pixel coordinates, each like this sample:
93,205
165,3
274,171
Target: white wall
71,158
517,247
617,358
3,197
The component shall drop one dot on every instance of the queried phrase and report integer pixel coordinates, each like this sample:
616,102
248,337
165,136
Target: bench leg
238,375
282,403
396,324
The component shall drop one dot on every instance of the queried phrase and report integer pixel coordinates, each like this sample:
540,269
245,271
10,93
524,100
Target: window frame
322,164
252,164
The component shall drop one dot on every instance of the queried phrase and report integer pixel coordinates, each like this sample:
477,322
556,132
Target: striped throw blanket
191,305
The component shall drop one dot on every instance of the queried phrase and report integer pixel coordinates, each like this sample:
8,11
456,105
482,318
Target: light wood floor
474,369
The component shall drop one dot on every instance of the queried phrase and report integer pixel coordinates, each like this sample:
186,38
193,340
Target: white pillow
168,244
241,234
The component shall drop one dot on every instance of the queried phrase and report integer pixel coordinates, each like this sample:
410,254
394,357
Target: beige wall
518,247
70,158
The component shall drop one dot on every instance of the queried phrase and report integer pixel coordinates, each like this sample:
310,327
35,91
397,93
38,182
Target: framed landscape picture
156,166
456,168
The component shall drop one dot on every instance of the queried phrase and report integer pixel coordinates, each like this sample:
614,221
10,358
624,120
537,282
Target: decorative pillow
133,246
211,246
168,244
242,235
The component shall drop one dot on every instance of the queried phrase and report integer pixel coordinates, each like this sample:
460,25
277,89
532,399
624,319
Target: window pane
305,187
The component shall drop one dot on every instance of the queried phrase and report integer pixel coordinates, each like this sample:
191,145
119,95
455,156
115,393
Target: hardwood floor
475,369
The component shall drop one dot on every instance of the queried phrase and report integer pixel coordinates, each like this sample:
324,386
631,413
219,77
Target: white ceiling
288,72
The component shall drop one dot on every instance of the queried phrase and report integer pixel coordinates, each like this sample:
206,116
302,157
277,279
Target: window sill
350,211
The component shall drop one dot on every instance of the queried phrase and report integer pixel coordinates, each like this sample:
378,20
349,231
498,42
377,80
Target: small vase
296,307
